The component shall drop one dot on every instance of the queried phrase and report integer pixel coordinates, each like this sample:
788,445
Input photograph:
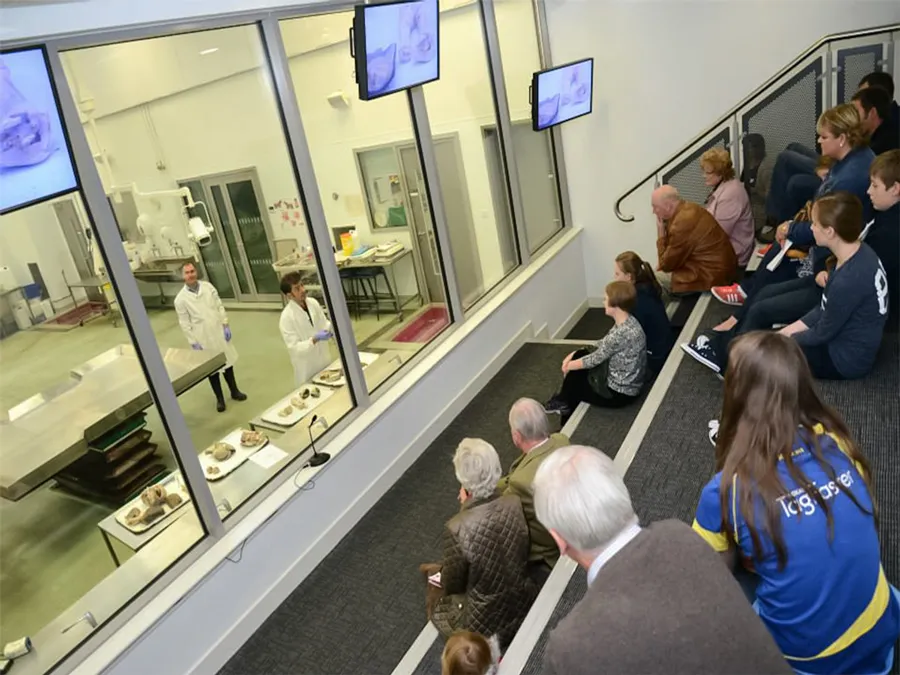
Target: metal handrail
828,39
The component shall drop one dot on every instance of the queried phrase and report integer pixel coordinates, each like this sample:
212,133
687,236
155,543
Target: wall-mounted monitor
561,94
35,158
395,46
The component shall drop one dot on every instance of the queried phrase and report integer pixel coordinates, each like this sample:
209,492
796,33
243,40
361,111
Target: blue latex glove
323,335
196,346
227,333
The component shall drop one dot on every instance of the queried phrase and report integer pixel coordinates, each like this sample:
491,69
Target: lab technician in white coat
304,329
205,325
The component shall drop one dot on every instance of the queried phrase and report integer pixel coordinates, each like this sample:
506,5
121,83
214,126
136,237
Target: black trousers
777,303
216,383
576,388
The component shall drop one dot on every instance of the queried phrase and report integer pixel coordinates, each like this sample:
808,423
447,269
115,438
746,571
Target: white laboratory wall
664,71
162,112
33,235
202,631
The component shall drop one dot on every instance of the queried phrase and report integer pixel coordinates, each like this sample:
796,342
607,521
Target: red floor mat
79,314
425,326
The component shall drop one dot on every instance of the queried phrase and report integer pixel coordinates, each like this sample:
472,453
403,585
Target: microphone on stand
318,458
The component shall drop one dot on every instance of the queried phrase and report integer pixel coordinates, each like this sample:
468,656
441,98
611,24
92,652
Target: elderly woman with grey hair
483,579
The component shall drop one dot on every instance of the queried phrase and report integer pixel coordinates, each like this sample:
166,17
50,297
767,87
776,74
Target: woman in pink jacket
729,202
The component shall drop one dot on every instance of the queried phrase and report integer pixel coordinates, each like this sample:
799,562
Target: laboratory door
75,237
242,240
423,237
463,248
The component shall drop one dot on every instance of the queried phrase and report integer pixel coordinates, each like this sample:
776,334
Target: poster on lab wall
35,163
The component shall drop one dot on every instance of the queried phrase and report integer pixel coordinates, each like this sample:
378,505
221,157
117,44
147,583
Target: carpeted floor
604,429
676,458
592,326
363,606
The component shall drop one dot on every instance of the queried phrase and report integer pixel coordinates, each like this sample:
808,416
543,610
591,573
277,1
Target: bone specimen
251,439
222,451
316,392
154,495
173,500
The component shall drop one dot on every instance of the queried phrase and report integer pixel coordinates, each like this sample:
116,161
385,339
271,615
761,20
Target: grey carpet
592,326
601,428
676,459
363,606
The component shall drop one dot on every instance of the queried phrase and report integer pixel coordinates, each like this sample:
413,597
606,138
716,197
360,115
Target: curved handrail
828,39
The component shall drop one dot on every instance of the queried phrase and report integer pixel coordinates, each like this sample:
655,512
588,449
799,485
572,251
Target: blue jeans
794,182
890,657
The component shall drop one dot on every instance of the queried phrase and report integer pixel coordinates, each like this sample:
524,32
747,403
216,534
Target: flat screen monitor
35,158
561,94
395,46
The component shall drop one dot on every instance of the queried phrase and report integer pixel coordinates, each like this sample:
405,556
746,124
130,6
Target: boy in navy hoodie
883,235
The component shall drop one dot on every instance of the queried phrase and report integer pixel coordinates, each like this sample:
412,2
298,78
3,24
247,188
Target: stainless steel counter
52,430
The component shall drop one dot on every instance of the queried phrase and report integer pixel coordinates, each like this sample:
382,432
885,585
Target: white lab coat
202,319
297,331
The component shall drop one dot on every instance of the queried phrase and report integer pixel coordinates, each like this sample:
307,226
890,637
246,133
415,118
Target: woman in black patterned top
613,374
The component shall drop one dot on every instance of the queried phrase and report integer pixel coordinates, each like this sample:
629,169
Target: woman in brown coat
485,586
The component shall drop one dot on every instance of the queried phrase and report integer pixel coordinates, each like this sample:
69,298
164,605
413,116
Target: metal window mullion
556,144
504,126
425,143
133,311
315,210
828,79
736,145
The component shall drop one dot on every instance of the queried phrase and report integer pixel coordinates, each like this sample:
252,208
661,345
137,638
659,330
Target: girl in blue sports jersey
792,500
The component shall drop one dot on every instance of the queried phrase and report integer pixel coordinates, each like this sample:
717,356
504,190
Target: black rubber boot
216,385
236,393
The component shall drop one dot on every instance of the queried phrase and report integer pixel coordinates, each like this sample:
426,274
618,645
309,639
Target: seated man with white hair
657,602
530,432
485,585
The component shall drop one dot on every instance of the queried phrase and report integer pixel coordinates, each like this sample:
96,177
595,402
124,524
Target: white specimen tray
172,483
241,455
366,358
271,415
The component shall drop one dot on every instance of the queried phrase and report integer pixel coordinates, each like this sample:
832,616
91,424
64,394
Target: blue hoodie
850,174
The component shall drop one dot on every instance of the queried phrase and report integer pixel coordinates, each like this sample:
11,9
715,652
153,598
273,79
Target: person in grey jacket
613,374
483,577
659,599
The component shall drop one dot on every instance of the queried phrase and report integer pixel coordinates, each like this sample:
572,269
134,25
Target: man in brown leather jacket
694,252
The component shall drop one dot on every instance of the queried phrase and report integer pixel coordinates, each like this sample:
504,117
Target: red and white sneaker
762,251
730,295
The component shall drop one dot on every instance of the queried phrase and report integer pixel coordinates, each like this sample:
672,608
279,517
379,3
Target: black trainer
557,406
239,396
701,350
220,405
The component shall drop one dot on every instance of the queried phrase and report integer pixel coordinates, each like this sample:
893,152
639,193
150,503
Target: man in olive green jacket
531,434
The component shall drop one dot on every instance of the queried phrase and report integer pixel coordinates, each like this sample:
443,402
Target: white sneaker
713,431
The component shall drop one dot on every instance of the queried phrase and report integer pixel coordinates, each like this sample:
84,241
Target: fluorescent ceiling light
211,50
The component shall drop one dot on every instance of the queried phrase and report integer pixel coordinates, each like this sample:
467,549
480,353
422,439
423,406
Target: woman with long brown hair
792,498
649,309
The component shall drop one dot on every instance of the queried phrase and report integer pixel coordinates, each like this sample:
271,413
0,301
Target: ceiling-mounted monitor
561,94
35,157
395,46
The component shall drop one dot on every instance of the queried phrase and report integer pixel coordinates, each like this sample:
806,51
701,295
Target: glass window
372,187
518,37
188,139
470,166
80,440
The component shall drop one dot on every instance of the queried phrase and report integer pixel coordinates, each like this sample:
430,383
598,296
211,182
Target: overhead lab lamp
199,231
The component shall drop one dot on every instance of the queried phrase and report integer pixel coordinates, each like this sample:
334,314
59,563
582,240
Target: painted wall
210,624
33,235
664,71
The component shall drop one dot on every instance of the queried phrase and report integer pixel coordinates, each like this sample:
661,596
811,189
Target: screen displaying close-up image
34,160
562,94
401,46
